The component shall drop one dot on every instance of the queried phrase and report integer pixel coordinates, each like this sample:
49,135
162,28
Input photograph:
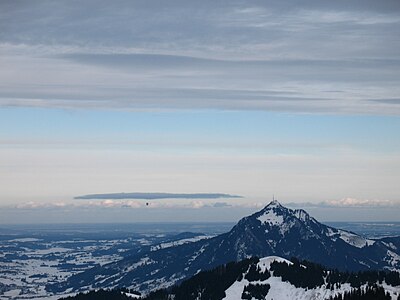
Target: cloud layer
338,57
350,202
206,203
188,211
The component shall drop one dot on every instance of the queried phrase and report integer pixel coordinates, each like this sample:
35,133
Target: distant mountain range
275,230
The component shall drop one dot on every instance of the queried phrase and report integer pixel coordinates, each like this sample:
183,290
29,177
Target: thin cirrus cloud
253,55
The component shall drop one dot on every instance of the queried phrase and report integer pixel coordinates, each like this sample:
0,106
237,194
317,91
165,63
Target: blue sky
266,131
298,99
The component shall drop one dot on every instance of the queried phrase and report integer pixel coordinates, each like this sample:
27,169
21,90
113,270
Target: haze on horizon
294,98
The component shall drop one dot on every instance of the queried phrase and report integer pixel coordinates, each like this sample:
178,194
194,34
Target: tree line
212,284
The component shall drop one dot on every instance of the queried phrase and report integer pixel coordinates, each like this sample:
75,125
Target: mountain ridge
269,278
274,230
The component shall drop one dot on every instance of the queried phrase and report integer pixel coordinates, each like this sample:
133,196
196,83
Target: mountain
271,278
277,278
275,230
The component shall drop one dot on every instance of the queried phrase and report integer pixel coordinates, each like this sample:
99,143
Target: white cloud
110,204
348,203
352,202
40,205
200,204
197,204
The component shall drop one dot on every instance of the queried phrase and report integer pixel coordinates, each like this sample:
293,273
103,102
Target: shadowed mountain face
275,230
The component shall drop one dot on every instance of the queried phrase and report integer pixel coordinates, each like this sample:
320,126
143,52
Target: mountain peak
274,203
272,214
278,208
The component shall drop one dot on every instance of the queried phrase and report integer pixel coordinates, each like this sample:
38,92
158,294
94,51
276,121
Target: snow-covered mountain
270,278
274,277
275,230
281,289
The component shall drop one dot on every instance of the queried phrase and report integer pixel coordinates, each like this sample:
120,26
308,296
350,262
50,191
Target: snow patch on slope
390,245
350,238
265,263
271,218
392,258
354,239
180,242
132,295
302,215
27,240
283,290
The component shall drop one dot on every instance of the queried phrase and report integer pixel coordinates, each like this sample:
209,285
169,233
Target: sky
297,99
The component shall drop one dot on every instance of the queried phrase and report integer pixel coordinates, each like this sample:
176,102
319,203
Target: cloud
347,203
208,55
221,204
352,202
41,205
197,204
124,203
154,196
120,203
182,25
395,101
